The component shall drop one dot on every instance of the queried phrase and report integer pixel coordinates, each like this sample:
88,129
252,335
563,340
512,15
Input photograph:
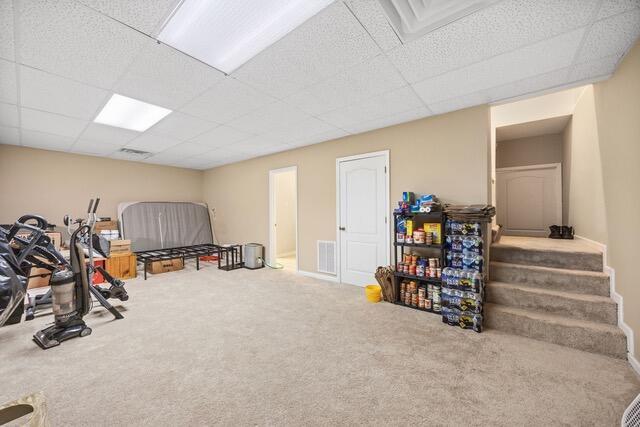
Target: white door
362,223
529,199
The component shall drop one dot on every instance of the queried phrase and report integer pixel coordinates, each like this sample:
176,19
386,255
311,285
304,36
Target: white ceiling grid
342,72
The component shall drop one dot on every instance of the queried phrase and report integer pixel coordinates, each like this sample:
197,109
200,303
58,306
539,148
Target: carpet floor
270,347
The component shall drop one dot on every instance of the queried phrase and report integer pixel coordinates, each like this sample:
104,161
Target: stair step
575,306
571,260
579,334
576,281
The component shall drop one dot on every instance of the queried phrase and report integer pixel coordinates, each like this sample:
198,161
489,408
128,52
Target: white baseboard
615,296
635,364
286,254
318,276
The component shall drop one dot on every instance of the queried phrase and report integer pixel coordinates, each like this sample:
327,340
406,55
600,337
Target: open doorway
530,139
283,217
529,159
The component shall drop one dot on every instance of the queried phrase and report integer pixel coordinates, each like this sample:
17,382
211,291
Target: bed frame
231,253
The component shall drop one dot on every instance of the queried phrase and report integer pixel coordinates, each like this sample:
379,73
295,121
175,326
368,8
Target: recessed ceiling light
128,113
227,33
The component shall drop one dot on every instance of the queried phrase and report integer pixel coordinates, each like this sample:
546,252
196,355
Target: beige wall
447,155
285,206
52,183
583,201
535,150
617,103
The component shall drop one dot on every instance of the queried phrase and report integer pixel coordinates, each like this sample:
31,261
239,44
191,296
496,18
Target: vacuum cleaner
70,298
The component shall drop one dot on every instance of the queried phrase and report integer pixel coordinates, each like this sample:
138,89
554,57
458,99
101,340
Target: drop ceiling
344,71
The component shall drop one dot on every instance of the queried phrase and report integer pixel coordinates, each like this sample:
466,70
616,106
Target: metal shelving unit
399,249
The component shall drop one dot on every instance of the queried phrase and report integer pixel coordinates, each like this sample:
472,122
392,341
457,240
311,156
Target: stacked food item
427,297
462,278
416,265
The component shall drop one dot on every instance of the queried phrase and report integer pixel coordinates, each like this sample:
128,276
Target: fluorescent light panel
227,33
128,113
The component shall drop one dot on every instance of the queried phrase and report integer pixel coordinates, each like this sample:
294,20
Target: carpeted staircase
546,292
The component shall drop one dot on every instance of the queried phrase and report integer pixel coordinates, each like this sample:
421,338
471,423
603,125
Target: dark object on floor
386,279
33,404
556,232
567,232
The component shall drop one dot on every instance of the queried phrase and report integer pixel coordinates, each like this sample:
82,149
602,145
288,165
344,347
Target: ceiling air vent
414,18
130,152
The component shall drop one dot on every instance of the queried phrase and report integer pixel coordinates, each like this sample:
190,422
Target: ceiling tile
271,118
182,151
379,107
182,126
256,144
226,101
9,135
542,57
94,148
8,84
97,132
44,91
613,7
305,129
327,43
55,124
498,29
611,36
164,76
373,18
6,30
596,68
349,86
152,143
46,141
220,136
66,38
9,115
119,155
529,85
462,102
390,120
143,15
315,139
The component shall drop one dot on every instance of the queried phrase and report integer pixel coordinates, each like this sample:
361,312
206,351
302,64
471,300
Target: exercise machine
90,242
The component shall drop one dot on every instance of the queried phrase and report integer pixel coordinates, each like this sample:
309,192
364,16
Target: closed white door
362,218
529,199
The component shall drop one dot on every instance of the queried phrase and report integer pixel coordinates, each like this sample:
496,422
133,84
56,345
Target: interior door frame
339,160
558,179
272,212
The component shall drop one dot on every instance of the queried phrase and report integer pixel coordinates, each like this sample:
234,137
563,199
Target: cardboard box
105,225
122,266
38,278
165,266
435,229
119,247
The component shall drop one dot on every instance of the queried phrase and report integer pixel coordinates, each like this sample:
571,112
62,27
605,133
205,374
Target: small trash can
253,256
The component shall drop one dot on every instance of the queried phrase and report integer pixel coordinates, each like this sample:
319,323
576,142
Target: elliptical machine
71,292
89,241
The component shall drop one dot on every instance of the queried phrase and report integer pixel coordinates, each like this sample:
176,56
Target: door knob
341,228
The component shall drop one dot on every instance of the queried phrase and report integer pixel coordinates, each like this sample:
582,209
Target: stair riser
594,341
605,312
554,259
552,280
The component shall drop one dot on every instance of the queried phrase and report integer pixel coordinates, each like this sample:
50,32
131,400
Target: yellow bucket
373,293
